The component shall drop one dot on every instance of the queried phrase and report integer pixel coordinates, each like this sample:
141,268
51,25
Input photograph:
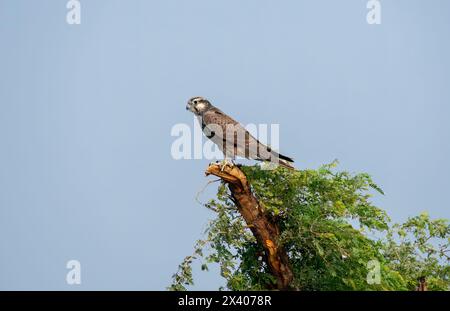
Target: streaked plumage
231,137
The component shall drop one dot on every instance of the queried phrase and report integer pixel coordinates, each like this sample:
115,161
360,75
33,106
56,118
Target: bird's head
198,105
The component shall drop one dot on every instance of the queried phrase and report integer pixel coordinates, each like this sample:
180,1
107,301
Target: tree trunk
265,231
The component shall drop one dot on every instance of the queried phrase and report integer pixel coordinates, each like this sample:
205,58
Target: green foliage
420,247
331,232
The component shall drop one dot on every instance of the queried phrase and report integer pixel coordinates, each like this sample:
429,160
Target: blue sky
86,112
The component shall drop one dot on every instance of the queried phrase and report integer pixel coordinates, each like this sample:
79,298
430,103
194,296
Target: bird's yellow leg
226,162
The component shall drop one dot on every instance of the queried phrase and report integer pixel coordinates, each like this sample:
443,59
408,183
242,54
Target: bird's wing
215,116
243,143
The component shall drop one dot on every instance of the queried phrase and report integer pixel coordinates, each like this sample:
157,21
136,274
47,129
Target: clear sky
86,112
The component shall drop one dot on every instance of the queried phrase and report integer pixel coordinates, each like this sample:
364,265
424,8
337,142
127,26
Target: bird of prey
231,137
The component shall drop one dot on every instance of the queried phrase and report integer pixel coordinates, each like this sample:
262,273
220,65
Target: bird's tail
283,160
265,153
286,164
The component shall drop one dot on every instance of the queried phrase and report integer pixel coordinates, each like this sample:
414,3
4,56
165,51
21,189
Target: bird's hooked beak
190,107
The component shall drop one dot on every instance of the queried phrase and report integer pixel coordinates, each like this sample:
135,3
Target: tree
314,230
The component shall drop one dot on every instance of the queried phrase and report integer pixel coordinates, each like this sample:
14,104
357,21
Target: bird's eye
195,102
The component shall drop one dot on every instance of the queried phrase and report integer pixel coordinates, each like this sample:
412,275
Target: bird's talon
225,163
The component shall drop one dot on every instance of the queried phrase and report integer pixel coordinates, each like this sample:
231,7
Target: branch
263,228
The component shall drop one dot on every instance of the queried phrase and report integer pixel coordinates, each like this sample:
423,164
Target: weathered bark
265,231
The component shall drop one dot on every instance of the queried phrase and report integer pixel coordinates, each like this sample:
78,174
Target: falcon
230,136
